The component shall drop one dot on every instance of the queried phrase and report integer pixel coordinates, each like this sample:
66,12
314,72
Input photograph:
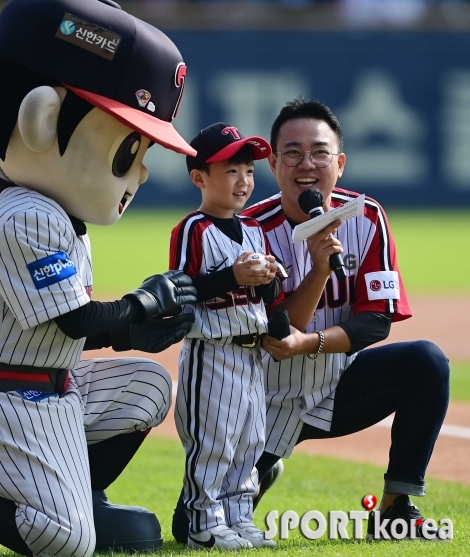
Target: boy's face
226,188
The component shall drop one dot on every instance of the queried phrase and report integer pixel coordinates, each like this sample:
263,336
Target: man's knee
430,359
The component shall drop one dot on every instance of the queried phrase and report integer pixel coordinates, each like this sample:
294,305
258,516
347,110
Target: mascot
86,89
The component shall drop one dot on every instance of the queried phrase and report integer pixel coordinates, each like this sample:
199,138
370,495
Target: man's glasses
319,156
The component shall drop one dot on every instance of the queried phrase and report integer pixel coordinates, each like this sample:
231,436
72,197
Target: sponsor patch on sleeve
383,285
51,269
36,396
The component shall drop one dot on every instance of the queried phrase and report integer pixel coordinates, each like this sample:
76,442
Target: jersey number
239,297
345,286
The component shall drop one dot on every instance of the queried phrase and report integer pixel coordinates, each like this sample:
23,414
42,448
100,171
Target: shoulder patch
383,285
51,269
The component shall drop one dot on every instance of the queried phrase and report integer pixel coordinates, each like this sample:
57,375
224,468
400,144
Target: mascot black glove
163,295
159,334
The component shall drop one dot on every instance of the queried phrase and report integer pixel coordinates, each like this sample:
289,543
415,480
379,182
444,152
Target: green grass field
431,250
460,381
153,479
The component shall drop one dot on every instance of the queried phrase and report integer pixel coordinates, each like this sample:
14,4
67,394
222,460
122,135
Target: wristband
320,346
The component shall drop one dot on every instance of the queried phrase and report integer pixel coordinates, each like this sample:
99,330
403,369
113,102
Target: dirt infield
445,321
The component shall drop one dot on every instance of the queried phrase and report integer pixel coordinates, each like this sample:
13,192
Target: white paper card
349,210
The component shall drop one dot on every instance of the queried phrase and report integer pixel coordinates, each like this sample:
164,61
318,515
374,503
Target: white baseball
262,261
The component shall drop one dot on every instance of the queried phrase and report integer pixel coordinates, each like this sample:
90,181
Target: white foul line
447,430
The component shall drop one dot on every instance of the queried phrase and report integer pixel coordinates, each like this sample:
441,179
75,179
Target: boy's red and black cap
220,142
110,58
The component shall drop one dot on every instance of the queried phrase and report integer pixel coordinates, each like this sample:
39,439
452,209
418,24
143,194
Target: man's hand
245,276
321,245
163,295
293,345
158,334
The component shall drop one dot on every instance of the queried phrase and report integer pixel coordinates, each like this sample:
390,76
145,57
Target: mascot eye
126,154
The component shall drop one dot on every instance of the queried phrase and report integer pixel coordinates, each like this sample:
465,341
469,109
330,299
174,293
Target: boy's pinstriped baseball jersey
220,406
198,247
300,390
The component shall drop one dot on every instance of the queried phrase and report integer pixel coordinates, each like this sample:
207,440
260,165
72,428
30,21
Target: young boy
220,411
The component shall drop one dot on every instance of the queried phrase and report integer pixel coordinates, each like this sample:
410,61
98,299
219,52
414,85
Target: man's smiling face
305,134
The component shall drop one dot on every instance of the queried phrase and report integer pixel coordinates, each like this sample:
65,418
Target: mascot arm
97,342
154,335
99,318
118,324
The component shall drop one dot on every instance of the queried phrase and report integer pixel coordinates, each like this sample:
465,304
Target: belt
47,380
246,341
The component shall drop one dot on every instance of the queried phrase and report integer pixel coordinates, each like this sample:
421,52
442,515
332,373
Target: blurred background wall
396,73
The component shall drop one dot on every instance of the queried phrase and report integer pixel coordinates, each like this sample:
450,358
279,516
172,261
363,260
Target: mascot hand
163,295
159,334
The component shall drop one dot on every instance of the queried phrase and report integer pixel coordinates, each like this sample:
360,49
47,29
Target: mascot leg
119,527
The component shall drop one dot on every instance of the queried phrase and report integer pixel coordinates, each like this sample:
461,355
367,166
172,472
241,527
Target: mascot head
86,88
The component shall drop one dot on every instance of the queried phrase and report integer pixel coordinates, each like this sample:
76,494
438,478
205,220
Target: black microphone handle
337,264
336,261
278,325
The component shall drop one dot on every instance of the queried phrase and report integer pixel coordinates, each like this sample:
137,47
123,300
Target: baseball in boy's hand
262,262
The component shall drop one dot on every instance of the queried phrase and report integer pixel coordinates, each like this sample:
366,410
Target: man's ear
341,164
37,118
272,159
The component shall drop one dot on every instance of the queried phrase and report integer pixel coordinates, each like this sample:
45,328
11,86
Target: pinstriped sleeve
42,267
186,247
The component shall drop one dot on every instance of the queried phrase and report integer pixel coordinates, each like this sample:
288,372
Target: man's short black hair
17,82
303,108
242,156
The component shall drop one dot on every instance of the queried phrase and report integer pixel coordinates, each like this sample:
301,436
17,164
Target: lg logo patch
383,285
376,285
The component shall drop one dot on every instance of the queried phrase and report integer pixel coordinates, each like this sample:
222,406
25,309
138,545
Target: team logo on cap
257,144
232,130
180,82
143,97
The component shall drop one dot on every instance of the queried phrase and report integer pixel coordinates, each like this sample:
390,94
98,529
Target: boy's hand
246,276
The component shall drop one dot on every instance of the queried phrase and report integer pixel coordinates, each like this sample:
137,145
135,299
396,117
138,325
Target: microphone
278,326
311,203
